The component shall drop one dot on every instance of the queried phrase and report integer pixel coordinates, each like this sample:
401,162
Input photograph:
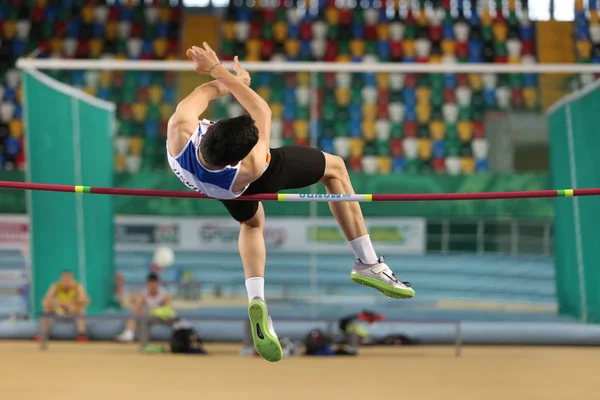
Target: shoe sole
389,291
268,346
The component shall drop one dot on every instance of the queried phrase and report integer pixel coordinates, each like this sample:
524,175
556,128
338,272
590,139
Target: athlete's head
67,279
153,283
228,141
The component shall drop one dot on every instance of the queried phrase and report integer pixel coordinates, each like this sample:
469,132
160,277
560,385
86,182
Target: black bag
184,338
318,342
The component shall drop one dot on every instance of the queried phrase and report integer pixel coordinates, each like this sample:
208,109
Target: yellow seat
356,147
514,59
500,32
425,149
357,47
276,111
20,95
292,47
229,30
9,29
530,95
383,32
384,164
303,79
332,16
467,165
423,113
437,130
166,110
120,57
584,48
164,14
369,112
368,130
423,94
578,5
343,58
87,14
252,57
422,19
594,18
111,29
120,162
409,48
383,80
96,47
253,46
512,5
160,47
264,92
56,46
301,129
465,131
15,127
448,47
434,59
476,82
90,90
486,17
41,3
136,145
140,111
155,94
280,31
342,96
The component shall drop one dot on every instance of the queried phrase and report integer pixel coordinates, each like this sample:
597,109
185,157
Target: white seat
276,142
69,47
134,47
91,78
235,109
396,81
121,144
586,79
342,146
319,29
524,18
371,16
453,165
423,47
7,110
383,129
595,33
436,16
293,15
490,81
397,30
411,147
318,47
396,112
503,97
449,59
276,129
343,79
369,165
23,28
461,31
13,77
370,59
123,29
133,163
528,59
369,95
279,58
450,112
480,148
514,47
463,96
302,95
242,30
151,14
100,14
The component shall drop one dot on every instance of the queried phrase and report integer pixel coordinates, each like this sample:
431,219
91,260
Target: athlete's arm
207,62
49,297
84,299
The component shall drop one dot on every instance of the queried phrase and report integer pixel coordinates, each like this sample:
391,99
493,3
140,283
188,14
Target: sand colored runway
107,371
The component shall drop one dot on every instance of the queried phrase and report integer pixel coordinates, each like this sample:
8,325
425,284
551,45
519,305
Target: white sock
255,288
128,334
363,250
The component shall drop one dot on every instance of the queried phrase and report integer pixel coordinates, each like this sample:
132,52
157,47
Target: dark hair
229,140
67,271
153,277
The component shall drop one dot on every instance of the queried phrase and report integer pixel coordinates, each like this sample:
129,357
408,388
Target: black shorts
291,167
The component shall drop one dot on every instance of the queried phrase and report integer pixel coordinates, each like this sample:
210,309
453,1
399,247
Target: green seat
423,80
329,97
396,130
267,32
357,16
342,114
512,21
410,32
116,95
277,95
437,98
128,95
466,150
227,47
502,80
487,33
125,128
138,15
477,101
423,131
425,167
220,111
412,166
370,149
396,96
329,112
288,141
452,148
332,32
356,96
478,115
329,129
357,81
281,15
138,130
341,129
500,49
320,79
302,113
277,81
464,113
344,47
158,78
383,147
515,81
451,132
436,81
121,46
150,31
64,13
371,47
437,115
153,112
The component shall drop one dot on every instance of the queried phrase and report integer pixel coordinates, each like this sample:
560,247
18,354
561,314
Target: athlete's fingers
207,47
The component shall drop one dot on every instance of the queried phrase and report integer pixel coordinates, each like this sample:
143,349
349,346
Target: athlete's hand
204,58
241,73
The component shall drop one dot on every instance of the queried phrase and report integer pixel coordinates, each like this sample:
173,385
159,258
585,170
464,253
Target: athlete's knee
335,168
257,221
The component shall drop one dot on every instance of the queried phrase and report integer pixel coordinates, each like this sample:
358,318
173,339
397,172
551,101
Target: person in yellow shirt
66,297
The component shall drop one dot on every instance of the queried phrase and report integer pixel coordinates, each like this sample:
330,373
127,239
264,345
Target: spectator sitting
66,297
153,300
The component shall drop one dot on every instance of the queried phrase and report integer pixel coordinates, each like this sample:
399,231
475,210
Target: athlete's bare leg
251,245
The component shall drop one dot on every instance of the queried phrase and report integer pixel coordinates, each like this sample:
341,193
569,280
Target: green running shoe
264,337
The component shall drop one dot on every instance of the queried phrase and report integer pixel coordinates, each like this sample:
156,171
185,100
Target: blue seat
410,113
489,97
448,31
151,129
12,146
50,13
358,31
482,165
126,13
103,93
527,33
78,78
144,79
530,80
410,60
98,31
369,79
3,12
162,31
18,47
327,145
73,28
18,111
450,81
398,164
355,111
305,49
289,112
264,79
10,95
289,96
147,48
169,95
354,128
582,31
476,51
439,149
244,14
293,31
383,49
410,97
318,128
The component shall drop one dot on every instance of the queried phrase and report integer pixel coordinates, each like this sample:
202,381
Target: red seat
288,129
410,80
478,129
345,16
141,95
301,141
37,14
83,49
501,59
528,48
435,33
396,51
113,13
137,30
382,111
125,111
449,96
255,28
423,60
383,97
329,80
371,32
356,164
306,31
410,128
268,15
462,49
462,80
291,79
396,148
439,165
331,50
516,98
267,48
